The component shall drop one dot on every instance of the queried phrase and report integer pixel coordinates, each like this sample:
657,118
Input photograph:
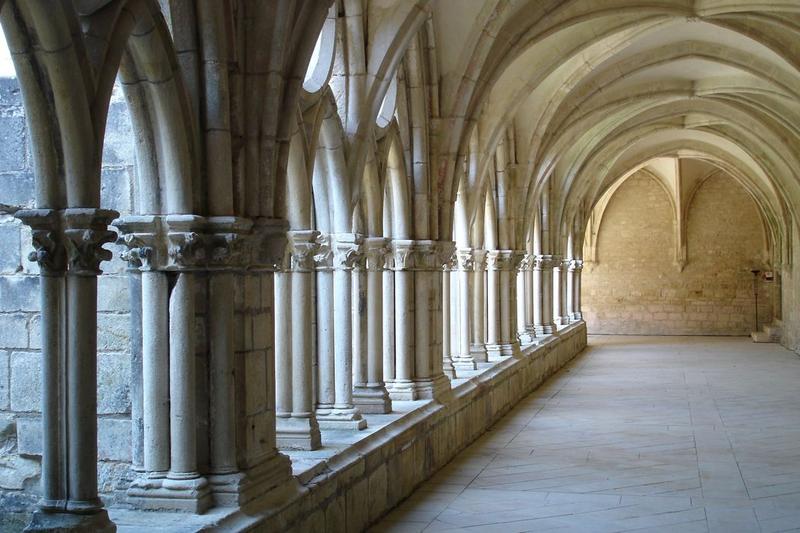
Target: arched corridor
637,434
271,264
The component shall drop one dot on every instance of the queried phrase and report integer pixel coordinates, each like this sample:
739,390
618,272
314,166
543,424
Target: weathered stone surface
19,293
113,439
29,436
5,385
10,252
113,383
17,472
113,332
113,294
13,331
26,385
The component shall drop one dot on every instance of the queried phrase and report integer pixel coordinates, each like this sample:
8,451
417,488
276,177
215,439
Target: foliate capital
49,251
346,248
478,260
376,250
421,255
548,262
503,260
576,265
464,259
303,247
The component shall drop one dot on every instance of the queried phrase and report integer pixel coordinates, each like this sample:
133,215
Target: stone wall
636,286
20,356
791,295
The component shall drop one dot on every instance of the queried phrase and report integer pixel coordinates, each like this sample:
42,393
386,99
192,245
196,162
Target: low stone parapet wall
362,483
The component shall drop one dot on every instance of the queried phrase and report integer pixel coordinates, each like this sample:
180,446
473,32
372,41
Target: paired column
370,394
336,408
501,336
560,281
478,306
418,296
576,269
525,327
296,423
463,359
543,294
69,249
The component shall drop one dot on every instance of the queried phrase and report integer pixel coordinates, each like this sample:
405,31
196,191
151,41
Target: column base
97,522
191,495
464,363
342,418
545,329
478,352
497,352
237,488
372,400
562,320
419,388
527,337
298,433
448,368
577,316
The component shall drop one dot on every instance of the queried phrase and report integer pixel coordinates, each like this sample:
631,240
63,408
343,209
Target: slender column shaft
563,271
53,360
463,313
222,409
404,325
528,273
82,392
478,305
375,327
570,293
493,307
325,352
359,327
155,379
422,353
183,409
343,340
388,332
576,290
137,398
521,296
556,292
447,323
283,344
301,345
536,275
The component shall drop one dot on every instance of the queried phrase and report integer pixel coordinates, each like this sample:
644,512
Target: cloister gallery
271,264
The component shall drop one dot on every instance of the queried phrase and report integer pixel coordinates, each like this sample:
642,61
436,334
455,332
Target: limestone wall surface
20,356
636,286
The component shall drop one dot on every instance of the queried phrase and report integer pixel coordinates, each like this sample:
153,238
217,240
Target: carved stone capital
86,231
548,262
421,255
464,259
503,260
576,265
376,250
49,251
526,262
323,259
346,248
302,247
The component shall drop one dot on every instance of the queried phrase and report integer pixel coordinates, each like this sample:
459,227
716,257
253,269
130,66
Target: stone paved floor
637,434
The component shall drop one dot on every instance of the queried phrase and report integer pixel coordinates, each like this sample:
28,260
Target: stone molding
503,260
69,240
547,262
302,247
376,251
478,260
576,265
526,263
464,259
191,242
421,255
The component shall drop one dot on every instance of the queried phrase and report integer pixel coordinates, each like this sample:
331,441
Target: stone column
503,341
448,324
370,394
464,359
570,294
419,368
560,274
388,320
478,305
492,306
527,334
545,324
297,426
344,415
325,353
577,271
69,249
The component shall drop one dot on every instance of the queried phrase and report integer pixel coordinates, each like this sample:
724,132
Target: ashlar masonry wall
636,287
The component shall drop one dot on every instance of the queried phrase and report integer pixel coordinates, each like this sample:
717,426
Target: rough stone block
115,189
12,143
19,293
113,294
17,473
13,331
10,259
26,386
113,439
4,380
29,436
113,332
113,383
